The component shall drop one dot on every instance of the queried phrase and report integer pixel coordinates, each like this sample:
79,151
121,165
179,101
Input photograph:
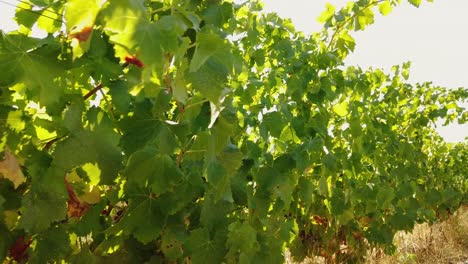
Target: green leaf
273,123
364,19
403,221
306,190
139,131
385,8
121,98
214,211
50,18
323,187
123,18
385,197
105,139
171,246
91,221
220,136
218,14
242,242
215,172
72,116
345,42
52,244
74,151
147,168
203,249
180,89
143,220
416,3
41,208
77,17
211,63
98,146
36,67
209,44
129,28
341,109
327,14
210,79
166,140
24,16
231,160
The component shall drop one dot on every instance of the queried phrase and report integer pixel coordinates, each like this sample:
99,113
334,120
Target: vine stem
93,91
52,141
343,25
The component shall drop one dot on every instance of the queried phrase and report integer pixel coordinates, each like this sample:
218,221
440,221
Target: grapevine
209,132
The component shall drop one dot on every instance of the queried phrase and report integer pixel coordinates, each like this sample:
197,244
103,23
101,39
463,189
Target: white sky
433,37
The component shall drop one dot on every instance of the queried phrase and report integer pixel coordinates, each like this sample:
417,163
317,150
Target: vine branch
93,91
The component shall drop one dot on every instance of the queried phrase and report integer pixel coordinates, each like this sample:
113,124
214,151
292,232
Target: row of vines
205,131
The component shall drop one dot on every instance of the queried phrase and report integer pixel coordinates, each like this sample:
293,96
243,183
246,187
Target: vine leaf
10,169
341,109
81,20
211,64
327,14
50,19
79,204
242,240
416,3
41,208
209,44
148,169
385,8
129,28
35,67
18,251
203,249
55,238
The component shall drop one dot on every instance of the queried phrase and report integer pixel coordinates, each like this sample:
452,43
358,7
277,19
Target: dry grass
442,243
445,242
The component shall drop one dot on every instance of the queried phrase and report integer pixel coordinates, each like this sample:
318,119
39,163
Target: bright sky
433,37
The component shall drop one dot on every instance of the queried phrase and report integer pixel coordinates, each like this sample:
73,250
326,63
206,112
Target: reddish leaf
134,60
75,208
320,220
82,35
18,250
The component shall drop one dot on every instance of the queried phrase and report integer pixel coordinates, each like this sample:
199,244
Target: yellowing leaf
93,172
50,19
91,196
11,218
10,169
341,109
73,177
80,24
327,14
77,17
385,8
86,194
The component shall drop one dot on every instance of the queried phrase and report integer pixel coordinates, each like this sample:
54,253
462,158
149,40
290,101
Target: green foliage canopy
207,131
